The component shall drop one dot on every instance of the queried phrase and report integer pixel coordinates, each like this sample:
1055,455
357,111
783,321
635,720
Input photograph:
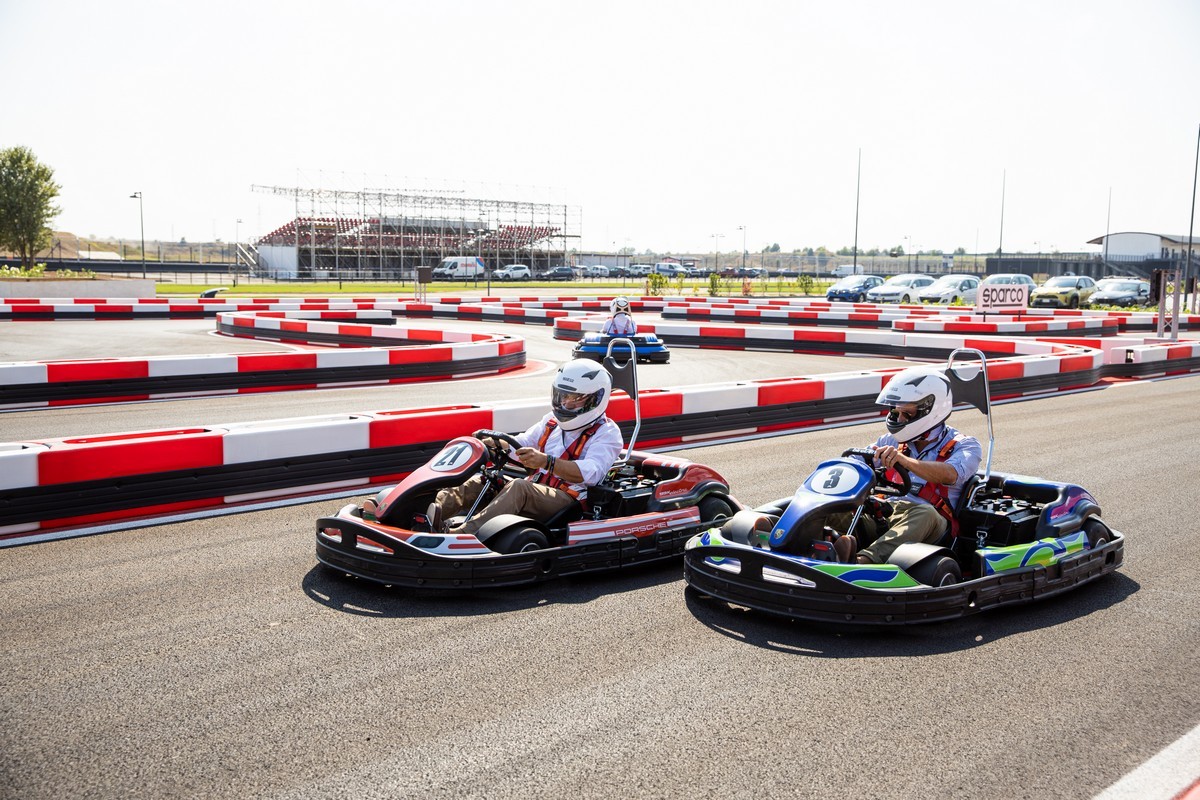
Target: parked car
513,272
1010,279
640,270
1064,291
618,272
595,271
901,288
852,289
950,289
560,274
670,270
1125,293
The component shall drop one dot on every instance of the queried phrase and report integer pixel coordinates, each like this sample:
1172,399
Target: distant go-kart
645,510
648,347
1020,539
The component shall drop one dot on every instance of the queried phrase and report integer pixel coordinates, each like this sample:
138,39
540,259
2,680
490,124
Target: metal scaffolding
385,235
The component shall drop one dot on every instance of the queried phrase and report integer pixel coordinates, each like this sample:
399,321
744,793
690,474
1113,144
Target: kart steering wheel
883,483
501,456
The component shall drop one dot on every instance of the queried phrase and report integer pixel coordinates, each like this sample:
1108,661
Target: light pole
237,249
717,252
742,228
142,223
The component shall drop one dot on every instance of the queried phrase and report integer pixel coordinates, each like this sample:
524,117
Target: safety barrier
376,352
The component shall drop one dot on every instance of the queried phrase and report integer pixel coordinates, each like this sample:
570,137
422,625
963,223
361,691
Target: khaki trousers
522,497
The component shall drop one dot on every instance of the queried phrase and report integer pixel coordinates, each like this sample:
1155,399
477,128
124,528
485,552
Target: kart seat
960,506
572,512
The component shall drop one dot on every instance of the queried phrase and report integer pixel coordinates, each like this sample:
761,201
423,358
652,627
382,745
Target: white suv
513,272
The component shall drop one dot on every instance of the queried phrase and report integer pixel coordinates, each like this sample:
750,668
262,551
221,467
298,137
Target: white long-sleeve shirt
598,455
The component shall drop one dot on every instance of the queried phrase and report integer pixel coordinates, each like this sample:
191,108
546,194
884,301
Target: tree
27,193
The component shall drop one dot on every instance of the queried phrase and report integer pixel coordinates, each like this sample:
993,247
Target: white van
844,270
460,268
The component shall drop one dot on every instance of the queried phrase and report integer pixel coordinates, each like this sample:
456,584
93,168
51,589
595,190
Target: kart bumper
765,581
350,547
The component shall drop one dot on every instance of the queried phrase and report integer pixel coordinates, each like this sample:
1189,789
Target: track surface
215,658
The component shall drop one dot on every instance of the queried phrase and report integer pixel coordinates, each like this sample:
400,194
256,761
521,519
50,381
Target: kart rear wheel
714,510
937,572
520,540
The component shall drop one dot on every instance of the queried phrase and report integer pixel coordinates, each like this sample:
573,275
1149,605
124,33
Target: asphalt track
215,658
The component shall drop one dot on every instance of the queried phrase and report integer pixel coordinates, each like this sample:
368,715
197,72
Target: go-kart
649,348
1019,539
646,509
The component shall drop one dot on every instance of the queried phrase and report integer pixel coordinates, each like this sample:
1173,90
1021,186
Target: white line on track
1167,775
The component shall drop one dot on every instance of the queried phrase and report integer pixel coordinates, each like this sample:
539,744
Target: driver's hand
887,455
532,458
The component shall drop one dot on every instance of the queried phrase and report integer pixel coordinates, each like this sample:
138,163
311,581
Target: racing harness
937,495
570,454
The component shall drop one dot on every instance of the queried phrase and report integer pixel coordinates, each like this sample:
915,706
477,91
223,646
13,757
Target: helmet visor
568,404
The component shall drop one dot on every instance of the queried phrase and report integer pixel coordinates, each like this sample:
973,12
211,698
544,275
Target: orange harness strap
938,494
570,454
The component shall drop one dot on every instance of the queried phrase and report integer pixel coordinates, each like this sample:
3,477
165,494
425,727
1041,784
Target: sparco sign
1001,297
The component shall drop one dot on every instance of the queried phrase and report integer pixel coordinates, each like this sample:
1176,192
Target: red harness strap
570,454
938,494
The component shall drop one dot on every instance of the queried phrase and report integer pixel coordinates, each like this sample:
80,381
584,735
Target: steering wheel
883,483
499,455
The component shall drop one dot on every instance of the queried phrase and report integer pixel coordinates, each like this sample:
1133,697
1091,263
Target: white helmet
619,305
929,389
580,393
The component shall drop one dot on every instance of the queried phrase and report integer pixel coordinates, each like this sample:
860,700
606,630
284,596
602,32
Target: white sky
666,122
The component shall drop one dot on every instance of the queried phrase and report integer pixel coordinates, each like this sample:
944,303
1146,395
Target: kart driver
621,322
570,448
939,458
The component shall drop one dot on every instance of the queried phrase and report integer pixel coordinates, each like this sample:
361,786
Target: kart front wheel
520,540
937,572
714,510
1096,531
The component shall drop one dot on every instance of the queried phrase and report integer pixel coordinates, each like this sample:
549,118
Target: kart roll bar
973,389
624,376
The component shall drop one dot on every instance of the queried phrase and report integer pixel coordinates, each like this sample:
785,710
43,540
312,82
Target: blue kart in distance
649,348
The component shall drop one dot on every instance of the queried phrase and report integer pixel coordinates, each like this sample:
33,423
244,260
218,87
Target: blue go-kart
648,347
1020,539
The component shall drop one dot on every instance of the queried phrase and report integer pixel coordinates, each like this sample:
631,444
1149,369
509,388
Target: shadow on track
828,640
354,596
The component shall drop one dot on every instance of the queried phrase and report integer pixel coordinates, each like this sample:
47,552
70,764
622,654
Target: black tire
1098,534
519,540
906,299
713,510
937,572
862,298
1075,301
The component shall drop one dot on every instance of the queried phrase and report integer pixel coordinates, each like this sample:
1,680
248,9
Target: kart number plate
452,458
837,479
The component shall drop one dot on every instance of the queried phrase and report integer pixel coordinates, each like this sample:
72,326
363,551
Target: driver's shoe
434,515
845,547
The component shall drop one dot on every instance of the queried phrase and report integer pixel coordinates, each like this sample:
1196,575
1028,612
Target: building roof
1168,237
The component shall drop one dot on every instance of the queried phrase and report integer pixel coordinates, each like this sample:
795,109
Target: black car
1122,293
560,274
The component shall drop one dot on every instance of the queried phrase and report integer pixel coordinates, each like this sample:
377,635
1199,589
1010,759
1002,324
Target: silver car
899,288
950,289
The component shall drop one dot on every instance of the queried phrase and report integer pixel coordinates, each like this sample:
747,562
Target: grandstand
385,235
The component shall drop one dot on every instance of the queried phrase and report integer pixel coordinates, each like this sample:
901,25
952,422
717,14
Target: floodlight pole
1192,226
142,223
